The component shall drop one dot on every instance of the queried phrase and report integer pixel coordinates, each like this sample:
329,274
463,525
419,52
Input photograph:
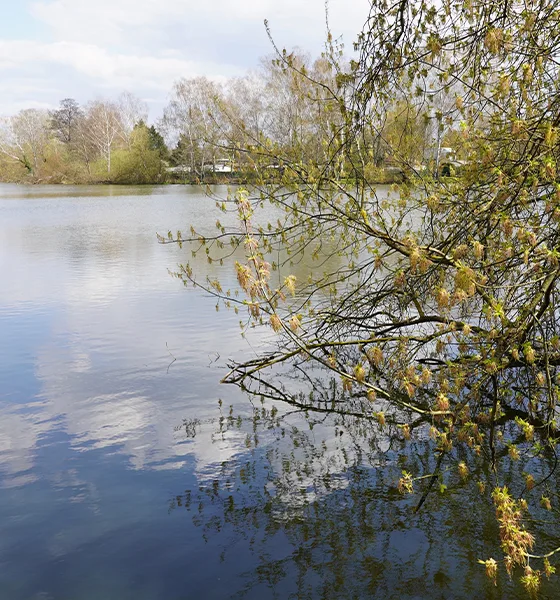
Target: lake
128,472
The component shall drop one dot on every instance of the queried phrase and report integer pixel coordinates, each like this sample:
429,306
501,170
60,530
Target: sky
87,49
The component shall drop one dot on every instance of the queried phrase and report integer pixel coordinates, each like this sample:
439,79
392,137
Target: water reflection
124,477
93,318
314,503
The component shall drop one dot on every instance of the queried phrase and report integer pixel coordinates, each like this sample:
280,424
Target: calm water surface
128,472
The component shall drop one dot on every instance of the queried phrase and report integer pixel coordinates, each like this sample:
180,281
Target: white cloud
120,21
97,48
98,63
38,75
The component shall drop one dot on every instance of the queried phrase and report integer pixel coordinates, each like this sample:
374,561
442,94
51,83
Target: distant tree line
285,108
104,141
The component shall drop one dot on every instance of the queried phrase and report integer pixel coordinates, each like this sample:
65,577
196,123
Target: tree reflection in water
314,500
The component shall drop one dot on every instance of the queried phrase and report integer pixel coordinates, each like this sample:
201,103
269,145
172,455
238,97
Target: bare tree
65,120
24,138
131,110
102,127
195,113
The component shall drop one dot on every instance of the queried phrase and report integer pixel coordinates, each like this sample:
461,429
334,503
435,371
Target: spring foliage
432,303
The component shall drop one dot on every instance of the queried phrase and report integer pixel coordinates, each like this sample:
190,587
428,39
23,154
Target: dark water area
127,472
